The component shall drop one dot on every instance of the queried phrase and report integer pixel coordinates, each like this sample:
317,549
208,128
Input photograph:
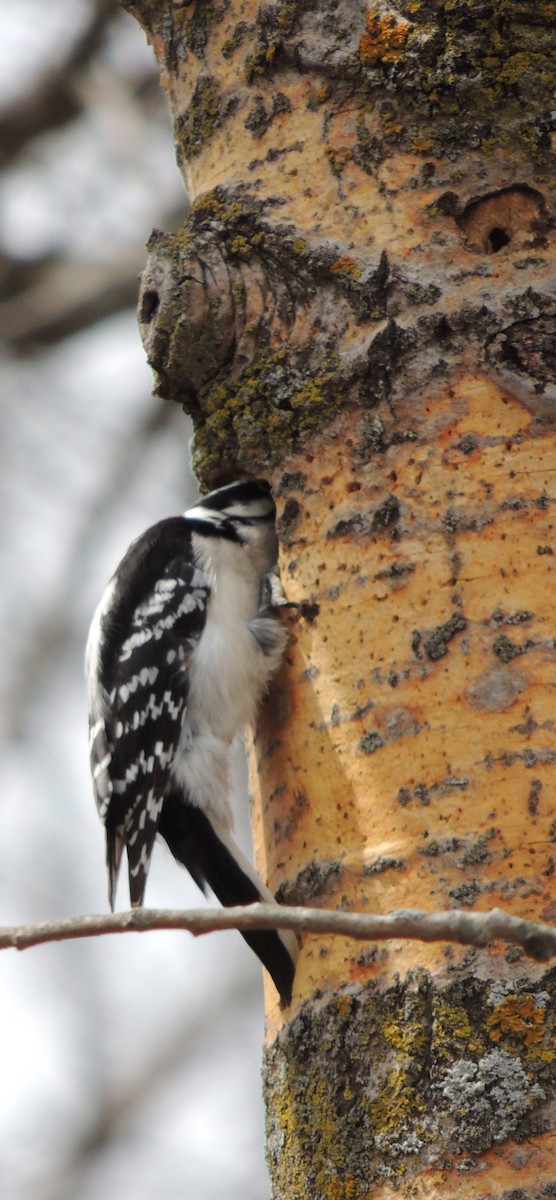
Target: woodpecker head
243,513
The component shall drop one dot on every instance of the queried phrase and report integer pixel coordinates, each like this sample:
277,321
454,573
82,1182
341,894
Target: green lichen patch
195,27
224,215
441,76
274,25
370,1085
196,30
260,117
223,212
267,409
215,350
338,158
239,35
458,65
206,111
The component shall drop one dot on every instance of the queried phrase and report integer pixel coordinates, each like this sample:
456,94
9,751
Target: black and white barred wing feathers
136,724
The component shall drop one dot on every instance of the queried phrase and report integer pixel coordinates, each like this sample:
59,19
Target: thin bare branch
469,929
51,298
54,100
68,297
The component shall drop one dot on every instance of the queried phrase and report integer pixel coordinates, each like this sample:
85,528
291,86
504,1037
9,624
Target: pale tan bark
361,306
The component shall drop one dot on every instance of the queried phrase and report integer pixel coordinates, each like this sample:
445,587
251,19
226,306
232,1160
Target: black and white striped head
243,513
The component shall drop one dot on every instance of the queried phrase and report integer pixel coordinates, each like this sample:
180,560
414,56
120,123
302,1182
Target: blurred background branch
54,99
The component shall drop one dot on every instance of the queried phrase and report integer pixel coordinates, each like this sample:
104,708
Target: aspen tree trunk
360,306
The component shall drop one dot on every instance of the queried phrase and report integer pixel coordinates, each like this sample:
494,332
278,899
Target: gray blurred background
129,1065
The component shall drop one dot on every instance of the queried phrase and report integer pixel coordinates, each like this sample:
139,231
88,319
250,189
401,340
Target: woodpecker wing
138,705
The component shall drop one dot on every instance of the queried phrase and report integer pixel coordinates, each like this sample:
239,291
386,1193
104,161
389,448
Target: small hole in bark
443,329
515,215
149,306
497,238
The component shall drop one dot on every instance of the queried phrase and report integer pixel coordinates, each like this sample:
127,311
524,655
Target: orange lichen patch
337,158
346,266
340,1187
384,38
520,1018
422,145
393,128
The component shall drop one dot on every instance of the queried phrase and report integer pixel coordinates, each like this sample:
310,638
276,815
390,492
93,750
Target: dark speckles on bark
293,480
396,571
383,519
347,526
381,864
259,118
535,789
387,514
424,795
450,520
437,642
370,742
467,443
416,643
289,520
465,893
526,727
437,847
317,879
477,852
499,617
506,650
283,830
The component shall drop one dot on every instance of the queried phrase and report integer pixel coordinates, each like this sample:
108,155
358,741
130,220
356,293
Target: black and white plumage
181,649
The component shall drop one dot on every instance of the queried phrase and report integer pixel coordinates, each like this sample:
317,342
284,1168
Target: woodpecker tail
212,857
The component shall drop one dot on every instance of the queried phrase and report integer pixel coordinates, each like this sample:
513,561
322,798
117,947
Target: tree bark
360,305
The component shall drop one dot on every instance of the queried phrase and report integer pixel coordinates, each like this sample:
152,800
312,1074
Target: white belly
228,673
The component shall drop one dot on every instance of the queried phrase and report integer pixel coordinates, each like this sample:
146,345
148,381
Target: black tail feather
196,845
